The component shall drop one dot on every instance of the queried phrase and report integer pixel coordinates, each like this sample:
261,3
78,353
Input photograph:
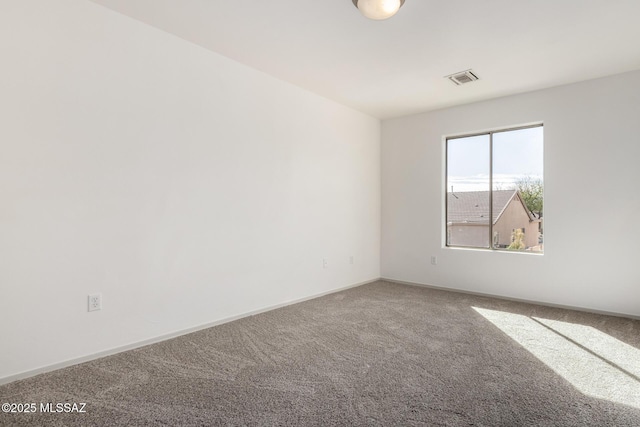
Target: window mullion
491,190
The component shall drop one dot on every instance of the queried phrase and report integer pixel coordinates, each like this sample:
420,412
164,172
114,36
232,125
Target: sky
516,154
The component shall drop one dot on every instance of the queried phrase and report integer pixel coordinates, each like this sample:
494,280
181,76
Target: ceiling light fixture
378,9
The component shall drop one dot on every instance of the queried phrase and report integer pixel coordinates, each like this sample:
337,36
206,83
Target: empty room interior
337,212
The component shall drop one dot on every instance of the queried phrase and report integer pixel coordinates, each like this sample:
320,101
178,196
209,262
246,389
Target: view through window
495,190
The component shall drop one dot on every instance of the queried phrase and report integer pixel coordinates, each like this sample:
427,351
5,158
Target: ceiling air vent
462,77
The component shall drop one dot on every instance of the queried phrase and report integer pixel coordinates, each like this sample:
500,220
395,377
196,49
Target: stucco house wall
472,235
515,216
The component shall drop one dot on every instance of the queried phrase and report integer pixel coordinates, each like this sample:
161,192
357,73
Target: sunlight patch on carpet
595,363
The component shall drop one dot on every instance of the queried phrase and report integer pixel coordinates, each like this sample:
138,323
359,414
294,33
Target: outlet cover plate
95,302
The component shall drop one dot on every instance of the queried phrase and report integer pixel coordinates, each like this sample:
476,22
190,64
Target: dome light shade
378,9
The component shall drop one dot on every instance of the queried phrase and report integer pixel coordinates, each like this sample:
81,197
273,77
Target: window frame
490,133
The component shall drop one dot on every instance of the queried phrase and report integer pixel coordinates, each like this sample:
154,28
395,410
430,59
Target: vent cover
462,77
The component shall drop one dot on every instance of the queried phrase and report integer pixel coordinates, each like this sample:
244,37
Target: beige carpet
379,354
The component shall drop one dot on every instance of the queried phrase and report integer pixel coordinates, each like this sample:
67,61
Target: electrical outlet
434,260
351,260
95,302
324,263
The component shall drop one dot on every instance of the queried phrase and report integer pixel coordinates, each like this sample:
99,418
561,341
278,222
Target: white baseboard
542,303
138,344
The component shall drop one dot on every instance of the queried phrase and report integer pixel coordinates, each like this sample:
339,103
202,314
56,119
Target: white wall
184,187
592,150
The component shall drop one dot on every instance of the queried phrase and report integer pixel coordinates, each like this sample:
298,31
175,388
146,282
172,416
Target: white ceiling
396,67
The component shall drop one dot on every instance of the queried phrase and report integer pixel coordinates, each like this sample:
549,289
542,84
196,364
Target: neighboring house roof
472,207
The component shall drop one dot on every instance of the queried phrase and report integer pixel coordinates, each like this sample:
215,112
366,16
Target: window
494,190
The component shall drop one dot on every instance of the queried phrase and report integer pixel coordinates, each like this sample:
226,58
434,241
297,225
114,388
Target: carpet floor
379,354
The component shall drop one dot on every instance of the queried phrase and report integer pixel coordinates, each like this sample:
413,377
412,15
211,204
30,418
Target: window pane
517,189
468,163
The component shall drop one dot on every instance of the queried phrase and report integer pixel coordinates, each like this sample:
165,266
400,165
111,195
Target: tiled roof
473,206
